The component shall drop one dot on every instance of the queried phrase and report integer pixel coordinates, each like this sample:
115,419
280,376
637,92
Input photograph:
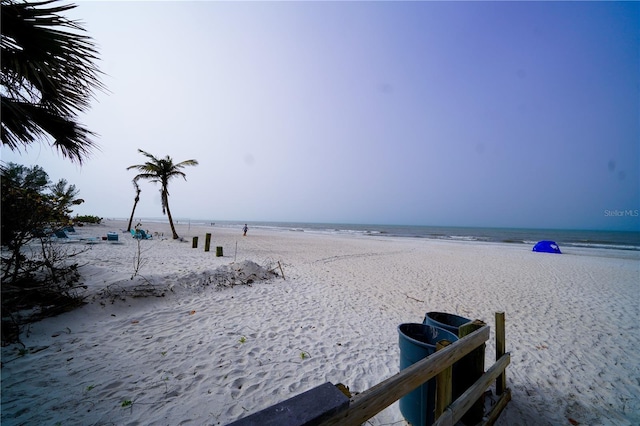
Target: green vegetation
48,77
43,279
87,219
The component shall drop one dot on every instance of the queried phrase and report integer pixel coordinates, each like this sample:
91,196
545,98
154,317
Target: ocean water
620,240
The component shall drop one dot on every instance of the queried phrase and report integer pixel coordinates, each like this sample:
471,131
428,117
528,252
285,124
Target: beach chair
61,234
62,237
144,235
140,234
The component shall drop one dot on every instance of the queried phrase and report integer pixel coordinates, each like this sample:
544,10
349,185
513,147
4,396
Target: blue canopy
547,247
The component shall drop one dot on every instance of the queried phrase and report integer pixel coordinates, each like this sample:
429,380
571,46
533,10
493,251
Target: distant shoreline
617,240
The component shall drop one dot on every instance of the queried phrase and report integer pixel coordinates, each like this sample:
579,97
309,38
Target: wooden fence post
207,241
195,242
468,370
444,384
501,381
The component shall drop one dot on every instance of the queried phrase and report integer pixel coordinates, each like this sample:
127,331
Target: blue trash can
449,322
418,341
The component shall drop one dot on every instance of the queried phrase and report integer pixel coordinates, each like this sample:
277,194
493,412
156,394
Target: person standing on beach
244,230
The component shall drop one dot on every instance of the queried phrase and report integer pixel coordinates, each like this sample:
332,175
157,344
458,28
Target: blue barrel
449,322
418,341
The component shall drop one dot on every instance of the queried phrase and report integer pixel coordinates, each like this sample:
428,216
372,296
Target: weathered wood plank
306,409
501,382
444,384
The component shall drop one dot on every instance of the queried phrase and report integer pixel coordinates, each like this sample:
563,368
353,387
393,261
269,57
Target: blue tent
547,247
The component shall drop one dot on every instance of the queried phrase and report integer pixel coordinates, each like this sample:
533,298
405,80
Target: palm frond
49,75
161,170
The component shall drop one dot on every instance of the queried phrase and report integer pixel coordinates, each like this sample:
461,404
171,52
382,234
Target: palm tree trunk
173,228
135,203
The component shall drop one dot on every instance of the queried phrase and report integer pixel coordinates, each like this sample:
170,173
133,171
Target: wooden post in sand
469,369
501,381
195,242
207,241
444,384
219,251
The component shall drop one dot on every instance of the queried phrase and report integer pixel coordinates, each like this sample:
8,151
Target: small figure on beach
244,230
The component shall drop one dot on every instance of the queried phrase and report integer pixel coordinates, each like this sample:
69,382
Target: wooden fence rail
360,408
370,402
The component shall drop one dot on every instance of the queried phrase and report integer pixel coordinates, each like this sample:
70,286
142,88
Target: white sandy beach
205,356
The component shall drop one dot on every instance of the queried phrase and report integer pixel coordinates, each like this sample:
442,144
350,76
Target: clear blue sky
504,114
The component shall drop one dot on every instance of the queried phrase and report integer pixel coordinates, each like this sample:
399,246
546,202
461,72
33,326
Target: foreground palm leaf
48,76
161,170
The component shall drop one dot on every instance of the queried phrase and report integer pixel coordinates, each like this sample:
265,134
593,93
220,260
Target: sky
489,114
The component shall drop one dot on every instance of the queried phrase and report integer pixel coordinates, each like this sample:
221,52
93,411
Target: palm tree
161,170
135,203
48,76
